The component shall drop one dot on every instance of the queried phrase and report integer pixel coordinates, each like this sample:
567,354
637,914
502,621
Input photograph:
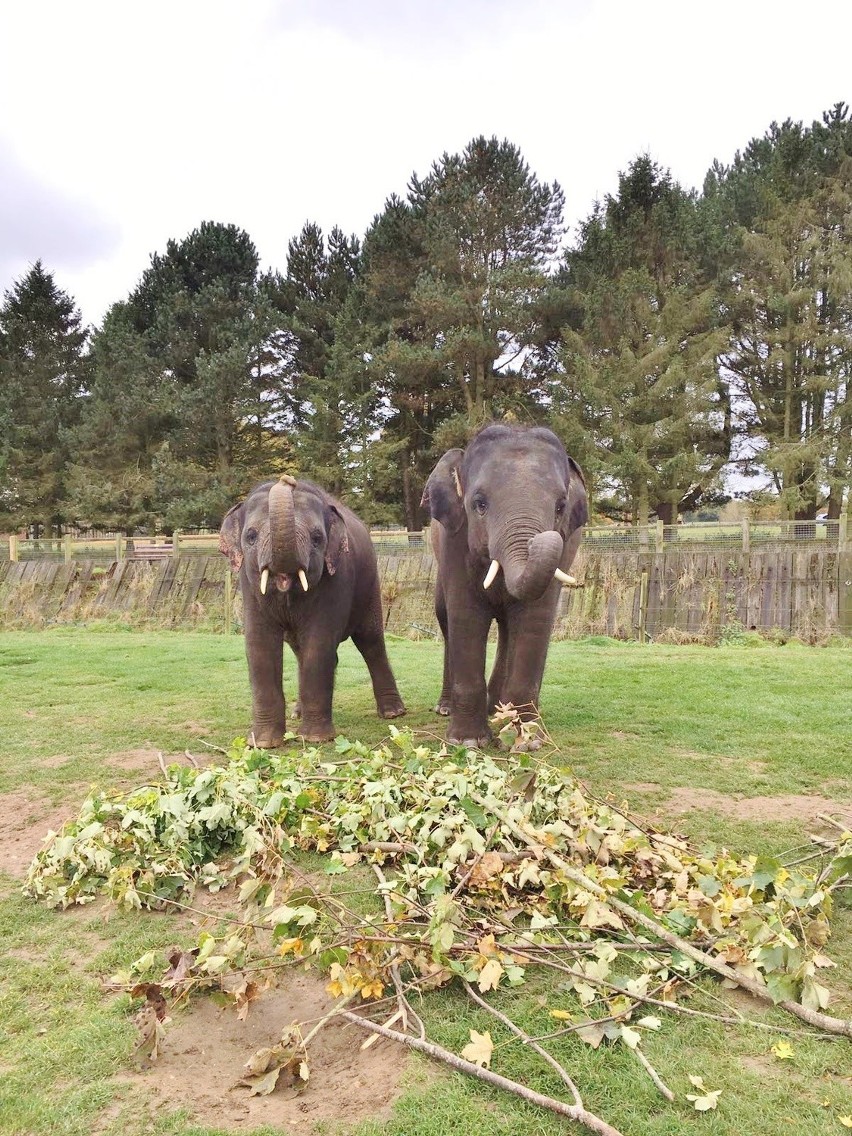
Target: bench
149,551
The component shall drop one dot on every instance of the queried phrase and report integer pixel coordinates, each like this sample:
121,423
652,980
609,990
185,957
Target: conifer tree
43,373
786,201
638,363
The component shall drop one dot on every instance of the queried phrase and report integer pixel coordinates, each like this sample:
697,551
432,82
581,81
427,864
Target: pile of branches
484,867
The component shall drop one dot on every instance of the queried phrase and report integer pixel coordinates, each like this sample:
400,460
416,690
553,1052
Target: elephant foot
266,739
395,709
443,708
471,740
321,733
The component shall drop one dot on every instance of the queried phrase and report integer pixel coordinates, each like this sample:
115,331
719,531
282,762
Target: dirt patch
206,1047
24,822
787,806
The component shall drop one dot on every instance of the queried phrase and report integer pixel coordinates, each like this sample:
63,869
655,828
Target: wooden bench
149,551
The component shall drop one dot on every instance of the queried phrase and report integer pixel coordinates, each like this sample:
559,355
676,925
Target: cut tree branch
824,1022
438,1053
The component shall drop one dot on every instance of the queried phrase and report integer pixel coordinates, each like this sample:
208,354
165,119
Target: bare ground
806,807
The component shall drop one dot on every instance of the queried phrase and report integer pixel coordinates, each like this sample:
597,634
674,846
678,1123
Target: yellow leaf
490,975
561,1015
487,946
479,1049
783,1050
846,1121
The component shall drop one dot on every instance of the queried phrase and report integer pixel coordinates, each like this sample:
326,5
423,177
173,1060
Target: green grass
638,722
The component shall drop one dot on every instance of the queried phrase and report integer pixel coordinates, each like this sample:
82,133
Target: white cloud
135,122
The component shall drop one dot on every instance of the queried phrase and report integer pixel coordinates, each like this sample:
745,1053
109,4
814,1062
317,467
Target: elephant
507,515
308,577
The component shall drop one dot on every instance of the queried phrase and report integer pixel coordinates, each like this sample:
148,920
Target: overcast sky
126,123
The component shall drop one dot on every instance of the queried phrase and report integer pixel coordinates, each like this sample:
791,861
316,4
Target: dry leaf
479,1049
490,975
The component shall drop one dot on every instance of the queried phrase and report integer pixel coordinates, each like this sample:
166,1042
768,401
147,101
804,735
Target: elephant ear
578,502
338,540
229,536
443,495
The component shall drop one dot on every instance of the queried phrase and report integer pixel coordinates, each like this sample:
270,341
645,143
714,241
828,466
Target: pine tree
43,374
787,267
490,230
327,409
638,361
187,408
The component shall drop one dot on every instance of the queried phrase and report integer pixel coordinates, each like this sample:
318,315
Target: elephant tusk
264,580
564,578
491,574
303,579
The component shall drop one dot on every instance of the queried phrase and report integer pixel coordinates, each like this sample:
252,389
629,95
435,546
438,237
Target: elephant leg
317,664
370,641
468,625
265,655
497,681
529,628
444,704
266,674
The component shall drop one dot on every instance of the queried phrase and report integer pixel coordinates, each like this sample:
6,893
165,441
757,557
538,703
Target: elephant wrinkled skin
308,577
506,524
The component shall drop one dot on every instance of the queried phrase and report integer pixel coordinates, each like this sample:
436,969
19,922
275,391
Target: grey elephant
308,577
506,524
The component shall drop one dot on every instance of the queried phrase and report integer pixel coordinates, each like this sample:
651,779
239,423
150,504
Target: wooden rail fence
686,593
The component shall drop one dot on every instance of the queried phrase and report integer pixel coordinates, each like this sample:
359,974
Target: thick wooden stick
438,1053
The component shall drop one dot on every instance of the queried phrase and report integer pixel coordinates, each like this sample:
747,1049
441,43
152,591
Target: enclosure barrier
687,589
744,535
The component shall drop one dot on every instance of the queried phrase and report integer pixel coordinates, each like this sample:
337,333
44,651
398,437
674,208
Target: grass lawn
733,746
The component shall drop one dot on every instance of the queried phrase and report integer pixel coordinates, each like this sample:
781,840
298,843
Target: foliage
43,375
685,335
638,370
784,206
691,720
467,898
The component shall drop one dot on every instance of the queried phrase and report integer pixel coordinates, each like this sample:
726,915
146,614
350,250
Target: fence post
746,536
118,546
13,548
229,601
176,543
661,535
67,551
643,606
842,531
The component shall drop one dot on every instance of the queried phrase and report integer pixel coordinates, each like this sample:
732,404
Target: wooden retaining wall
626,594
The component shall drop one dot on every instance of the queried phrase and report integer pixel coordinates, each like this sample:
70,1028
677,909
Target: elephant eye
316,537
251,536
480,504
560,507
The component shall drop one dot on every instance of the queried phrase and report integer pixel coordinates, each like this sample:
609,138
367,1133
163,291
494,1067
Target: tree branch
438,1053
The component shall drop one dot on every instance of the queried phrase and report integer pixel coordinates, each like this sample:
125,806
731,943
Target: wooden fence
681,594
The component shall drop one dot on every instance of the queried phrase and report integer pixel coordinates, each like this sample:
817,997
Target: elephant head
285,531
522,500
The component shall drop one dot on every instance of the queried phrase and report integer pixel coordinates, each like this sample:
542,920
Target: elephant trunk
528,571
286,546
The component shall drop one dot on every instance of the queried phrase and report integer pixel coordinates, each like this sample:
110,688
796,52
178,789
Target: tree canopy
675,337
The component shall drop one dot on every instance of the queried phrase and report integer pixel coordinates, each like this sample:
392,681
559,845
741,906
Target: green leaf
474,813
782,988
